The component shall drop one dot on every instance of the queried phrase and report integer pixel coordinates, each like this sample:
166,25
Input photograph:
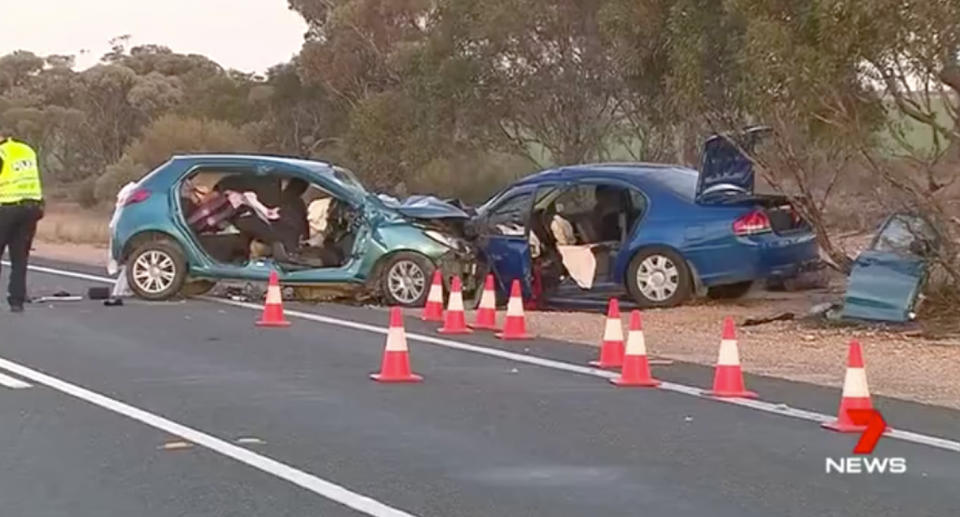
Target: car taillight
753,223
137,196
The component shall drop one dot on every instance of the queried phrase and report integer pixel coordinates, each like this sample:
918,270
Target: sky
248,35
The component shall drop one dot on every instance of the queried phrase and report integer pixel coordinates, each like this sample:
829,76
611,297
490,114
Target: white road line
65,273
759,405
769,407
327,489
12,382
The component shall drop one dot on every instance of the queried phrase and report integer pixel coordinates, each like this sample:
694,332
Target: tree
789,65
297,118
17,69
912,52
167,136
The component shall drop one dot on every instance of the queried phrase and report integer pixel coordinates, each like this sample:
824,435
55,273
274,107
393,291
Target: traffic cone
856,394
273,308
486,318
433,310
396,357
611,350
515,325
454,319
728,379
636,368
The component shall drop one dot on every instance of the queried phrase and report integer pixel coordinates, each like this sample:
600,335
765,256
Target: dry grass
939,311
71,224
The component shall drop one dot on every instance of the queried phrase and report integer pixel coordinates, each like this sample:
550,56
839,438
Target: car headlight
446,240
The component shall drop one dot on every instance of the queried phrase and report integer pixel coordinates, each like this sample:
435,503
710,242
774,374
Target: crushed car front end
425,226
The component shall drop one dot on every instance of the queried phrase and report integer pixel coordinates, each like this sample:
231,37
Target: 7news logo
875,427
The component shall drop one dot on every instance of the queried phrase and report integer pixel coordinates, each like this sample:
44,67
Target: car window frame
619,184
505,197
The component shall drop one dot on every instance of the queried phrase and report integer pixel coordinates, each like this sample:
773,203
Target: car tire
156,270
729,291
668,278
196,287
405,279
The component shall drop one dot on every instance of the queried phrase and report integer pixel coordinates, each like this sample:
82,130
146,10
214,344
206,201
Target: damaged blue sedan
659,233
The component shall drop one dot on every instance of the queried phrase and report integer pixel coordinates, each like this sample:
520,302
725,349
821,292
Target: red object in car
752,223
137,196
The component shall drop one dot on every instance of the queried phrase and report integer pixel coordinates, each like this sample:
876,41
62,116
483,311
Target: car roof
269,158
676,178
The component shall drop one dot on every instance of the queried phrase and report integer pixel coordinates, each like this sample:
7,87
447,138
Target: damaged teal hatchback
886,279
348,241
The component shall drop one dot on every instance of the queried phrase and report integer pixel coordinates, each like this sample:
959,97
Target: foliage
167,136
456,96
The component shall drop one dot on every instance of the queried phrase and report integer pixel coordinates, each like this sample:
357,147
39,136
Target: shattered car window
510,218
905,234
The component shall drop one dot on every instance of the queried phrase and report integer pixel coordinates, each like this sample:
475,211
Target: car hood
883,286
724,169
423,207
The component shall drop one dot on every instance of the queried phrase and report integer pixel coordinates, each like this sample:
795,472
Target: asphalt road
482,436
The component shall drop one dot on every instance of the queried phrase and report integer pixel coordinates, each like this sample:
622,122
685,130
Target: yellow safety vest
20,174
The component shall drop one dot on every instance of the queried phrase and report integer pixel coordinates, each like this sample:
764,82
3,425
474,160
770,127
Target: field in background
69,223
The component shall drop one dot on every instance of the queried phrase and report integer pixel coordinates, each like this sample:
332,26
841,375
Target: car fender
388,239
647,233
148,234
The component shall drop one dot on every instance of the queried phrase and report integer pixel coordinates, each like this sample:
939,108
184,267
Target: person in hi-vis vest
21,206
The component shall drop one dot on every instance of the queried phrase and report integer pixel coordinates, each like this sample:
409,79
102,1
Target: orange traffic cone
611,350
396,358
273,308
856,395
454,319
486,318
728,379
515,325
636,368
433,310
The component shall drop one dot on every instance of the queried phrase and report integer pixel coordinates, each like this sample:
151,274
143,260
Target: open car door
504,236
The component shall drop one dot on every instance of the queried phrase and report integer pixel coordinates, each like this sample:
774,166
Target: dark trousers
267,233
18,224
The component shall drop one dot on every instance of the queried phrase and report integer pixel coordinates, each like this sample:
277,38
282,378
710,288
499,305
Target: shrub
167,136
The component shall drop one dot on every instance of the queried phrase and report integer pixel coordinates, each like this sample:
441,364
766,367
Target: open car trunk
727,178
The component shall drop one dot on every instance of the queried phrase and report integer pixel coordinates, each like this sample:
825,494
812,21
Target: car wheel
658,277
729,291
405,279
156,270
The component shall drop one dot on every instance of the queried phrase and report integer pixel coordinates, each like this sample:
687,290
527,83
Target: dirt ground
899,364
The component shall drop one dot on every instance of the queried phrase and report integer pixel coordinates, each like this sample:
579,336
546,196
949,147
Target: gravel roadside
898,365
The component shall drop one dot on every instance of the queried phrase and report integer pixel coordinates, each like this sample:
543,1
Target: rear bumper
785,257
759,257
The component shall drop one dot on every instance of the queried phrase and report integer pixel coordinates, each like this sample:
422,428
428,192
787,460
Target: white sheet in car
580,263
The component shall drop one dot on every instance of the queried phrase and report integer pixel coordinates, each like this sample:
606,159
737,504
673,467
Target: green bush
472,177
84,193
167,136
